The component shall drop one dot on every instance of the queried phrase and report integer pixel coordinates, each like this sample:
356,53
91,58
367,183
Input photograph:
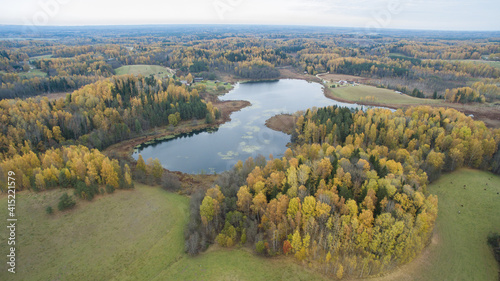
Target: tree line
98,114
68,166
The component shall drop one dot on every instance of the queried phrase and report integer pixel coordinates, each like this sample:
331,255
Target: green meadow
144,70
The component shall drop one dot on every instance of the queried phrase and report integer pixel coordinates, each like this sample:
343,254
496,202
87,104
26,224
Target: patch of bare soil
282,123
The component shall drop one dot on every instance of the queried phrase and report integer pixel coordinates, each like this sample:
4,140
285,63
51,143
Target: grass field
458,250
41,57
236,264
398,55
375,95
461,252
31,74
495,64
129,235
144,70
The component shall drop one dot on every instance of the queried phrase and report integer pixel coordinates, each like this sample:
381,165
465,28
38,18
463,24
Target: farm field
144,70
370,94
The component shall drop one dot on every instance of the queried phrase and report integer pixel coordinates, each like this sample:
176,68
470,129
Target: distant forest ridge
201,30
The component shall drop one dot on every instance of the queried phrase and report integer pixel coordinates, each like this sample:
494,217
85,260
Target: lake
246,134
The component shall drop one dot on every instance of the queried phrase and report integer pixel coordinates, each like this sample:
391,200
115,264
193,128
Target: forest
350,196
47,142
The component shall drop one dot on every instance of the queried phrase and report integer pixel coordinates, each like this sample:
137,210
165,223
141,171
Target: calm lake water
246,134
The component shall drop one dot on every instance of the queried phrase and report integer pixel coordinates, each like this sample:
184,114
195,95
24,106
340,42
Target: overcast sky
403,14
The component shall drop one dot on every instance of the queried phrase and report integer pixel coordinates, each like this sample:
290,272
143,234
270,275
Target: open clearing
134,233
130,235
144,70
41,57
462,252
370,94
495,64
236,264
33,73
214,87
29,74
55,96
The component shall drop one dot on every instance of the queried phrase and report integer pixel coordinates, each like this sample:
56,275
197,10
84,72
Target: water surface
246,134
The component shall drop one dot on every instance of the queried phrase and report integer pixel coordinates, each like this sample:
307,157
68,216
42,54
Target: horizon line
242,24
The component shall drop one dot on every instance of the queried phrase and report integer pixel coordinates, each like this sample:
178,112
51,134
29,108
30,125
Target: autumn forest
350,195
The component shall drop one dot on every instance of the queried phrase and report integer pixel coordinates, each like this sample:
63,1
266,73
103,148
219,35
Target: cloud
437,14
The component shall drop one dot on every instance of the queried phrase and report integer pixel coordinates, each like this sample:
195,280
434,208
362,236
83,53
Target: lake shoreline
124,150
284,123
248,134
488,114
